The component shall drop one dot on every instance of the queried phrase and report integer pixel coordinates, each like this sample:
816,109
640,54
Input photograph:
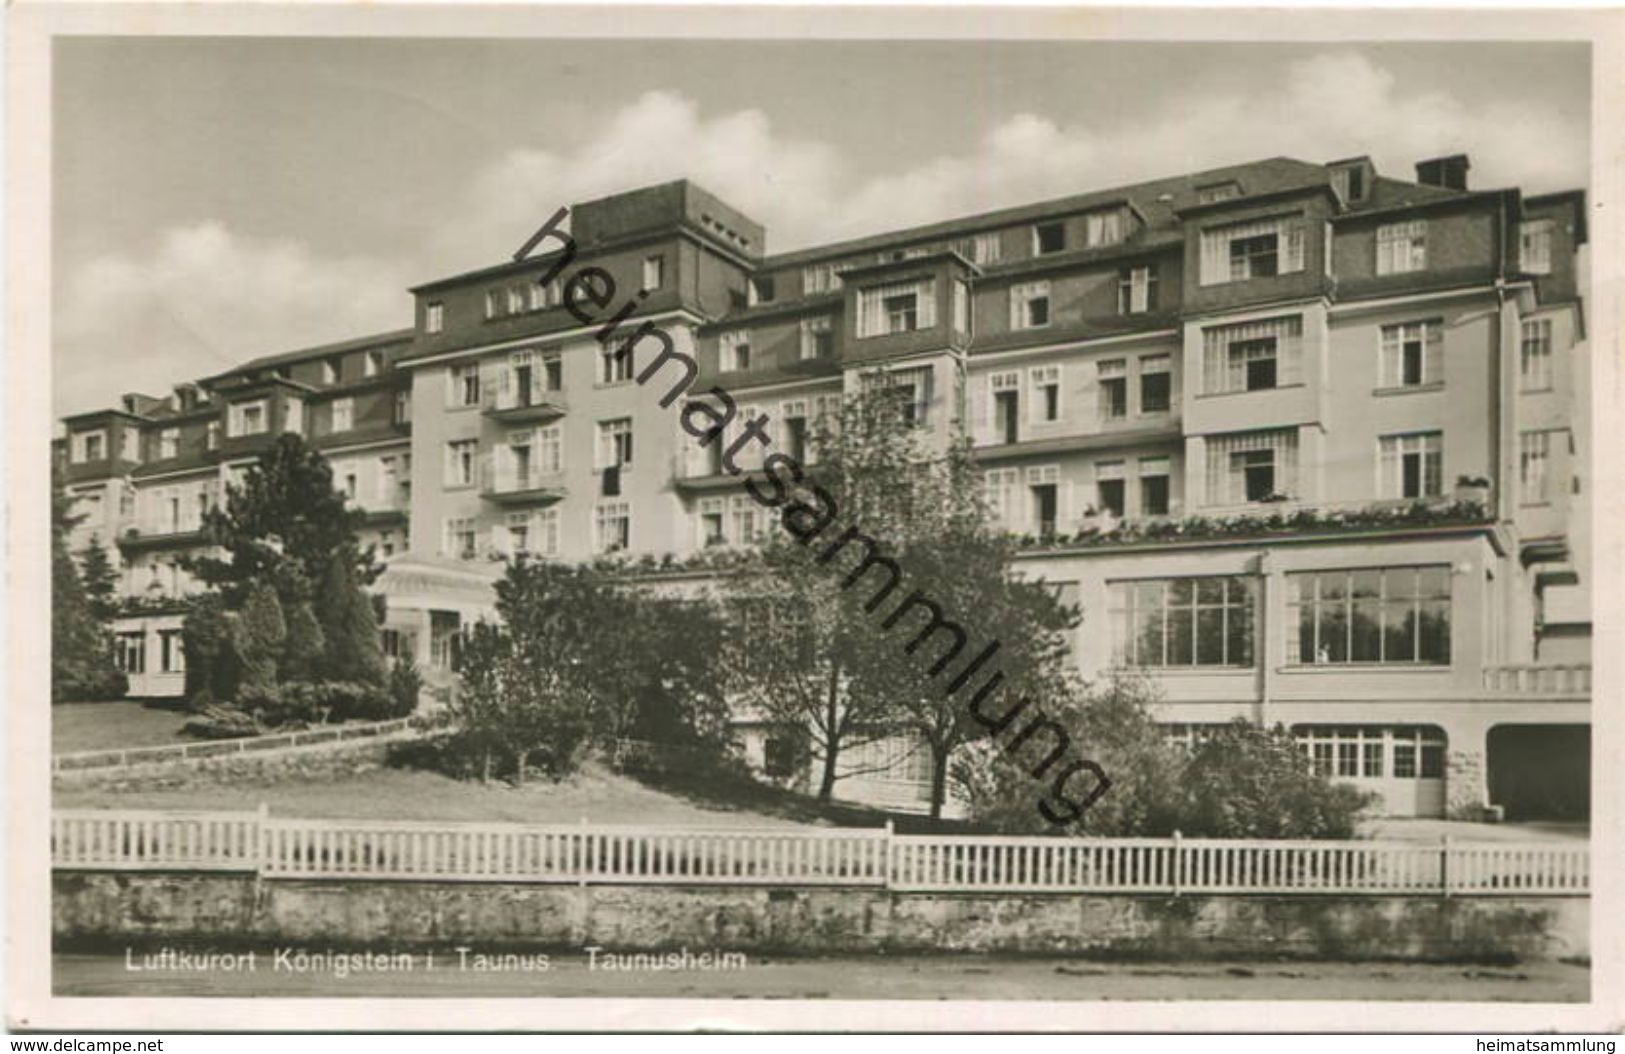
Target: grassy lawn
600,796
112,726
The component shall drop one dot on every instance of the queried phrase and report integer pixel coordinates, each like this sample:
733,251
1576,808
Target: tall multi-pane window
1111,488
711,525
1106,227
985,249
493,303
1029,305
654,272
519,533
1045,382
734,349
1535,246
403,408
462,456
1112,375
434,316
516,299
462,538
897,308
463,386
612,527
130,652
1412,466
1156,384
1256,249
1049,238
615,363
615,443
547,532
1136,290
1535,355
1155,473
999,489
1534,464
1252,356
820,278
1247,467
169,442
1207,621
746,520
550,449
343,414
1410,354
1390,615
1402,247
1004,405
817,338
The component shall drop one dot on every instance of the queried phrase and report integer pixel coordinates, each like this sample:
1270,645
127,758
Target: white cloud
205,299
1325,106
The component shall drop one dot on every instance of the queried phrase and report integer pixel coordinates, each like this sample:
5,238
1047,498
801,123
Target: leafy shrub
405,684
222,722
456,754
263,702
354,701
212,666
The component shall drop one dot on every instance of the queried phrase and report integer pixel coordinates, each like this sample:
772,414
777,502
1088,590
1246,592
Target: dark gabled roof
1155,200
376,340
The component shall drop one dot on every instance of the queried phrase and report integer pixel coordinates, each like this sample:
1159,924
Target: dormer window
735,351
1217,192
169,443
372,364
434,317
1350,184
1049,238
90,446
1257,249
1535,246
1029,305
1402,247
759,290
330,371
1106,227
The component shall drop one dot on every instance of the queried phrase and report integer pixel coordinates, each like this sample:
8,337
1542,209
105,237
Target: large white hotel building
1316,342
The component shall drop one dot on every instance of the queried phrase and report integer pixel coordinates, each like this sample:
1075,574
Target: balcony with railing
514,402
512,481
162,533
1539,681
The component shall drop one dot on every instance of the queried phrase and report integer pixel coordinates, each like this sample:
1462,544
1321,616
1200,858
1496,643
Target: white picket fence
274,847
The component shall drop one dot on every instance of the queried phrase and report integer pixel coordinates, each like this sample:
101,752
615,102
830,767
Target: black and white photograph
876,518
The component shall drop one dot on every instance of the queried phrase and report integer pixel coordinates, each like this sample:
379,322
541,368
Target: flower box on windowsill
1473,489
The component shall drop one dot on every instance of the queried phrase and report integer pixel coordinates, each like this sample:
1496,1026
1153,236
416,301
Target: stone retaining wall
101,908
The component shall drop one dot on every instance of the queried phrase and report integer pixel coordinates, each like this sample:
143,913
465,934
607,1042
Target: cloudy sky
219,199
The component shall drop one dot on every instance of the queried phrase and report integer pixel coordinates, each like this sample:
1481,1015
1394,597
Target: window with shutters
1412,466
733,350
1156,384
1044,499
1535,355
897,307
1252,356
1256,249
710,523
1155,474
1136,290
1049,238
612,527
1029,305
1174,622
1534,463
820,278
999,489
1390,615
615,443
1535,246
463,386
1244,467
461,538
817,338
1402,247
1045,382
1106,227
1113,379
1411,354
1111,488
461,458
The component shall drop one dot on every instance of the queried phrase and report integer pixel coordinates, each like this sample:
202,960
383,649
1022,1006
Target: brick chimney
1447,172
